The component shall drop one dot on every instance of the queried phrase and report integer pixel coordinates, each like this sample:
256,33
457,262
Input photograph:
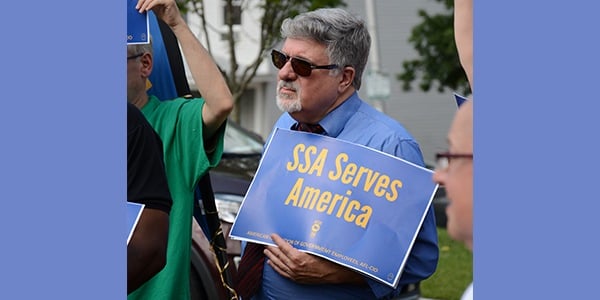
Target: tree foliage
273,13
438,64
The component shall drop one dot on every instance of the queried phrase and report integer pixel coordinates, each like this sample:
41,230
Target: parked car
205,280
232,177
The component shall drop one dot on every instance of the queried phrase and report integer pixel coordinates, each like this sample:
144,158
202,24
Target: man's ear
146,64
347,78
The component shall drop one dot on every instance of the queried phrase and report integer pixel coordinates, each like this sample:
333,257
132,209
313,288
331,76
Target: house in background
426,115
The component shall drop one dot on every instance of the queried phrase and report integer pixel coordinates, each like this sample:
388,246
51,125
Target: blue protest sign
134,211
344,202
137,25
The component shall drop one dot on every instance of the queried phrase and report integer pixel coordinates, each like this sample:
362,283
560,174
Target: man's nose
287,73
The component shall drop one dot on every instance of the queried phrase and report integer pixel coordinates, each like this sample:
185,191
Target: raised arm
463,35
206,74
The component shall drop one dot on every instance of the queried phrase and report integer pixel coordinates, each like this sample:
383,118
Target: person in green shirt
192,133
147,185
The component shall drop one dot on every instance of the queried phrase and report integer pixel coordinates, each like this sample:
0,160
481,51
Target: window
236,12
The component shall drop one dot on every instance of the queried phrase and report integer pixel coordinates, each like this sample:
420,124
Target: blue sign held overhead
137,25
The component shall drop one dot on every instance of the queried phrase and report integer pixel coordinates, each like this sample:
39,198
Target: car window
240,141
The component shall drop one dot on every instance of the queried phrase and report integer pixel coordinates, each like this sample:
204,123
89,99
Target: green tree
273,12
438,64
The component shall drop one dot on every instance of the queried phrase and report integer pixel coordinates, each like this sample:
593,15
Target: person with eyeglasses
192,132
321,63
454,170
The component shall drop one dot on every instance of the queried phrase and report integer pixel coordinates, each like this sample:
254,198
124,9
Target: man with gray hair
320,67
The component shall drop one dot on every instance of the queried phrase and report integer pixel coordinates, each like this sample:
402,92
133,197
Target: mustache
286,84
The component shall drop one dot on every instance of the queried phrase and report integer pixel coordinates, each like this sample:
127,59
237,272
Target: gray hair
345,36
139,48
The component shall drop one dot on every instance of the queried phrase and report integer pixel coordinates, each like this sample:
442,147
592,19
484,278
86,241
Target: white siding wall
426,115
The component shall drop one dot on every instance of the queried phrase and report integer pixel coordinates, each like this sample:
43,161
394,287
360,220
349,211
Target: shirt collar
335,121
151,105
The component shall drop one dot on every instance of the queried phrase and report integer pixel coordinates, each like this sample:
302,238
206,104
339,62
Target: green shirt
178,122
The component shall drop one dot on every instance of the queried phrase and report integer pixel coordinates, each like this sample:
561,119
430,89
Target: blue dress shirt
356,121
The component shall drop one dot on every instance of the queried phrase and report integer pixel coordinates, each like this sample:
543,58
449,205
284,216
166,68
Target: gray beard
286,105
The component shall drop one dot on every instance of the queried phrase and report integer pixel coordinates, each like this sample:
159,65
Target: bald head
460,135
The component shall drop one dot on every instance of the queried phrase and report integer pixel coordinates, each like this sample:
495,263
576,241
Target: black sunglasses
300,66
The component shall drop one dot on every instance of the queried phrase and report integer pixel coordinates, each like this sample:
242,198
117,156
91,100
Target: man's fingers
277,260
282,244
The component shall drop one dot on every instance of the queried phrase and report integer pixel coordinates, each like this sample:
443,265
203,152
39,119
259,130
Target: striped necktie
314,128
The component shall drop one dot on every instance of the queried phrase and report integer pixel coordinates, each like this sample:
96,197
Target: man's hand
306,268
166,10
207,76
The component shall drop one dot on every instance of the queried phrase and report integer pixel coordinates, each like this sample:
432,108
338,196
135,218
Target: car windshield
239,141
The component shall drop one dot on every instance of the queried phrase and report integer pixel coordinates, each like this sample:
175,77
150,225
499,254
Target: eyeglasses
300,66
135,56
442,160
